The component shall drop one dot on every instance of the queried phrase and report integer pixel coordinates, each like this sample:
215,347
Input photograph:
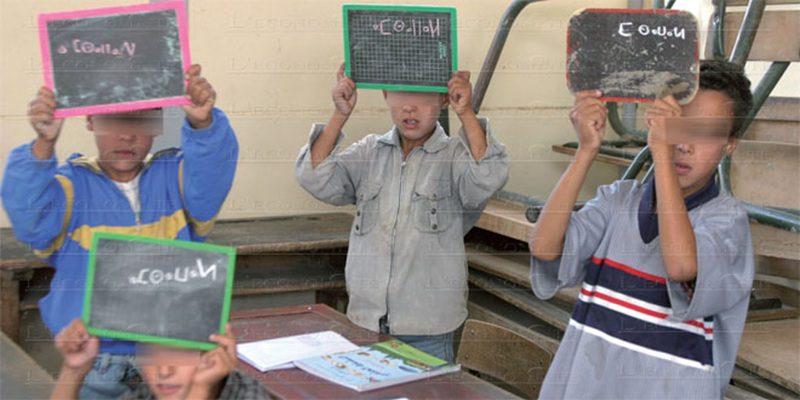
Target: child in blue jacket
173,194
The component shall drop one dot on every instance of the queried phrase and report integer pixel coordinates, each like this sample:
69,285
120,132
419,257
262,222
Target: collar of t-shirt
648,219
131,191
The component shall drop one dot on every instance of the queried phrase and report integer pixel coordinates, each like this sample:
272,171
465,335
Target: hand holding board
116,59
633,55
156,290
411,48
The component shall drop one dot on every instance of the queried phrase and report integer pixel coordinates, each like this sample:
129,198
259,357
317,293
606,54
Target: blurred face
707,122
414,113
168,371
124,140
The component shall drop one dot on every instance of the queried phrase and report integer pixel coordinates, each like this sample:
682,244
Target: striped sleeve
586,229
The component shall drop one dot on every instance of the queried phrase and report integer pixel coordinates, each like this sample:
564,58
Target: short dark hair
729,78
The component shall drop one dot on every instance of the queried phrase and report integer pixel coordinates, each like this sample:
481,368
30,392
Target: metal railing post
493,55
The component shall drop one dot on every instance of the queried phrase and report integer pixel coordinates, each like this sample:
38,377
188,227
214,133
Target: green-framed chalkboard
410,48
162,291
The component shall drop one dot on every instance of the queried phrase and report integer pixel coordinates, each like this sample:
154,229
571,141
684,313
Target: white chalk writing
416,27
627,29
79,46
153,276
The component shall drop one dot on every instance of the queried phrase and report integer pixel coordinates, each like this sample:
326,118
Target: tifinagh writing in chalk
628,29
79,46
416,27
148,276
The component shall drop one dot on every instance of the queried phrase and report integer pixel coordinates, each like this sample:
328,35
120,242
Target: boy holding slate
666,266
417,192
174,194
169,373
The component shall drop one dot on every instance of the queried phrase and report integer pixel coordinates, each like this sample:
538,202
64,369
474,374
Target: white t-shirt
131,191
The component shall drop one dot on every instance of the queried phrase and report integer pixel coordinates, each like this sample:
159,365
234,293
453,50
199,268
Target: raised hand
459,93
215,366
656,118
202,97
588,116
40,114
77,347
344,94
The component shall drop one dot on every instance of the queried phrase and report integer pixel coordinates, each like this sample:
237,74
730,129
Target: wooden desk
20,376
294,383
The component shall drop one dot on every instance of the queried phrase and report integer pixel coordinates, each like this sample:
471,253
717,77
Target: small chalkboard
157,290
411,48
116,59
633,55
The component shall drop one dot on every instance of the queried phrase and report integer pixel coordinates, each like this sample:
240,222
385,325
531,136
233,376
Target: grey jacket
406,257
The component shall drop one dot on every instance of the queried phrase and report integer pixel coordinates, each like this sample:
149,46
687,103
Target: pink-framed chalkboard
116,59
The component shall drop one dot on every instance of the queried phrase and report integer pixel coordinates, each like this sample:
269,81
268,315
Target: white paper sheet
271,354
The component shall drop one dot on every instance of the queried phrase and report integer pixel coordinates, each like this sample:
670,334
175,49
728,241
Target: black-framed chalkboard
413,48
116,59
633,55
157,290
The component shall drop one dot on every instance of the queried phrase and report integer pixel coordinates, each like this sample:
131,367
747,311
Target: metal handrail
764,89
747,32
493,55
717,29
612,148
632,134
744,41
784,219
638,163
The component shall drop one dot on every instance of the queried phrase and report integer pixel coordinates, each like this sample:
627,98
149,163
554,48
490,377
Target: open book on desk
376,366
279,353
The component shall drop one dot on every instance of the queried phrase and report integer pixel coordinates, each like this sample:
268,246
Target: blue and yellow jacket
55,210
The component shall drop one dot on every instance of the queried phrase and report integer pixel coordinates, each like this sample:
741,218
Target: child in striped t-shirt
665,266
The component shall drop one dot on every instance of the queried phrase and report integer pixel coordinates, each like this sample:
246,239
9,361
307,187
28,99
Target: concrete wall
273,64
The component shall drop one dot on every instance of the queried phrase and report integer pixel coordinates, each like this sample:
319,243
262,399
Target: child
169,373
406,269
174,194
666,266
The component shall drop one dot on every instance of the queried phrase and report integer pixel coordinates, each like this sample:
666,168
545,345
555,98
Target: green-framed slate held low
404,48
161,291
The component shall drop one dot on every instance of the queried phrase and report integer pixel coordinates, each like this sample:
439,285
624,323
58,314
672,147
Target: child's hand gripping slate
588,116
40,114
459,93
344,94
656,118
202,96
216,365
77,347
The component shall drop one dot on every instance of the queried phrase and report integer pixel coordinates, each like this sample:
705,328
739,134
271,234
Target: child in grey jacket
416,190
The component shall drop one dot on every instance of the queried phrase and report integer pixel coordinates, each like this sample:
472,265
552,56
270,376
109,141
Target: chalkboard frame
139,337
401,8
47,61
635,11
